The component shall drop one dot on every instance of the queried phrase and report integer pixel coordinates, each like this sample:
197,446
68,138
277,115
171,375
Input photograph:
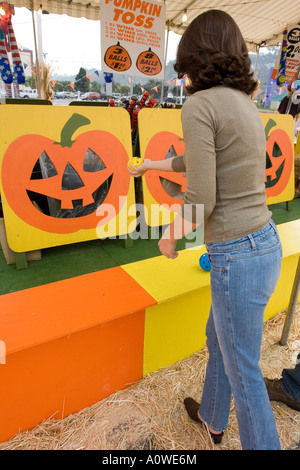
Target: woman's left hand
167,247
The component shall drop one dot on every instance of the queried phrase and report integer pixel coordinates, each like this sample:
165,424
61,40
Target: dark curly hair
212,52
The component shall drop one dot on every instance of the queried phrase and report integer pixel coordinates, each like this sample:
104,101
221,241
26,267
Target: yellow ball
135,161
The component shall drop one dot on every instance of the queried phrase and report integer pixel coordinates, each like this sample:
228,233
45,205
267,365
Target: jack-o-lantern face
279,161
78,176
148,63
165,187
117,58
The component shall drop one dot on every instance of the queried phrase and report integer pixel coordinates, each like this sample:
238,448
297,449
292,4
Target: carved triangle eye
171,153
71,179
92,162
276,151
44,168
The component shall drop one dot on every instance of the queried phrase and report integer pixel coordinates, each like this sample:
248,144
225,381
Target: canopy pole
38,84
163,80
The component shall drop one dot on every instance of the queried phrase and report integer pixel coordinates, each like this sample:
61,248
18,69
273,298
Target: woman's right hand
140,170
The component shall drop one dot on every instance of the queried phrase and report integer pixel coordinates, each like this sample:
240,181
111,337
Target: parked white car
28,93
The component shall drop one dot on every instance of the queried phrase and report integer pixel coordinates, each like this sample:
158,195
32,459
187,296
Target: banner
133,37
292,58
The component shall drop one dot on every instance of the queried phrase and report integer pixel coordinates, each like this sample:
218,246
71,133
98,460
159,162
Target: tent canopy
261,21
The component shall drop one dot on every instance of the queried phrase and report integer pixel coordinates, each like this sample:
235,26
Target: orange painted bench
69,344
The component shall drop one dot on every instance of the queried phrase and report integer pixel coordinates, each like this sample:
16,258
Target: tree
136,89
82,83
62,86
125,89
30,82
96,87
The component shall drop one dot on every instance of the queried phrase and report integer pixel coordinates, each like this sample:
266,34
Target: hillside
266,60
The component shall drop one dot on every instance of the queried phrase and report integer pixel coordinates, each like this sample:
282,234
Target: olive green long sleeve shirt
224,162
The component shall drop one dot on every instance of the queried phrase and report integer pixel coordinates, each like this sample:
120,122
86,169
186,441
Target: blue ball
204,262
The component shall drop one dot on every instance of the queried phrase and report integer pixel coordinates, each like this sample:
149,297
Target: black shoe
276,393
192,408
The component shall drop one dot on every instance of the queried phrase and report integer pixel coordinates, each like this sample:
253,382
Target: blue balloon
108,77
204,262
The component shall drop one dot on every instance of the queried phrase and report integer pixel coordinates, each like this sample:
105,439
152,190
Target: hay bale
149,415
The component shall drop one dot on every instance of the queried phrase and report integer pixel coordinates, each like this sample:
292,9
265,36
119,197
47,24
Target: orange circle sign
117,58
148,63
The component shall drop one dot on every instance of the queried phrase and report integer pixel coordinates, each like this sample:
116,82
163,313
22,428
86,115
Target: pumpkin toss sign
133,37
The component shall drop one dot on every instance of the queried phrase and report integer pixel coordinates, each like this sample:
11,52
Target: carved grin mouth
171,188
270,182
79,210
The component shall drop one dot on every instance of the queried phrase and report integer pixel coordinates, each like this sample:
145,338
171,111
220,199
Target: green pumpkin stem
75,121
271,123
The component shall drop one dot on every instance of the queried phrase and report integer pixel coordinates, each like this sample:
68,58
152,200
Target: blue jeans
244,274
290,382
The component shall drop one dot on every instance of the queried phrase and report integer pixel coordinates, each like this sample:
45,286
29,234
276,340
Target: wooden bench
72,343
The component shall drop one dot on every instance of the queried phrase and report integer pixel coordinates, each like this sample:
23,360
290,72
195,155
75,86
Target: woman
224,161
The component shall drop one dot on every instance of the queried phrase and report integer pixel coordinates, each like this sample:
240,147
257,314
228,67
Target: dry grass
45,77
150,413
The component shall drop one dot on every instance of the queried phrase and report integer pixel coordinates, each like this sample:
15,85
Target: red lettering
139,20
128,17
117,13
149,23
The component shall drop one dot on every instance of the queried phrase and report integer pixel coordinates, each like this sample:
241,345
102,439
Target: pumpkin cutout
148,63
76,172
165,187
117,58
279,160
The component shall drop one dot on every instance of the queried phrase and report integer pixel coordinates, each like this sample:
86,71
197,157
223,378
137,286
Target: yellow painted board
281,297
165,279
289,234
297,146
279,130
175,329
159,131
69,137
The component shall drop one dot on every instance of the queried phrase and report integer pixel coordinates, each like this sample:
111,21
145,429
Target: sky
69,43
